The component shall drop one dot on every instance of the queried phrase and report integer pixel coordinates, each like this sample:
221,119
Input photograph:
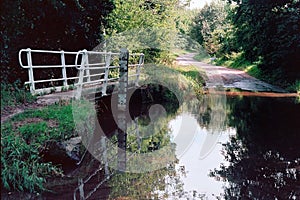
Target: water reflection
184,167
264,156
197,183
254,155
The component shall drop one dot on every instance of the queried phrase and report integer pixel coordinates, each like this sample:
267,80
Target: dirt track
228,78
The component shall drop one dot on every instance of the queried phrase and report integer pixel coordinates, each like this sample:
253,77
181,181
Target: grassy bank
22,139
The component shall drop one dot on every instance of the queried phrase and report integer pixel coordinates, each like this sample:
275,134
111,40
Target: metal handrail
84,67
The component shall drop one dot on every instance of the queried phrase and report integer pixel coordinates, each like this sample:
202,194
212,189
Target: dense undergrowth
22,139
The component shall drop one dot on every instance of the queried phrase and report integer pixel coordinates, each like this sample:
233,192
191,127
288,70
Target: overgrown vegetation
22,139
14,94
202,56
238,61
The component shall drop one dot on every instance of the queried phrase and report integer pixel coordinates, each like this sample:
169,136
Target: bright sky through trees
198,3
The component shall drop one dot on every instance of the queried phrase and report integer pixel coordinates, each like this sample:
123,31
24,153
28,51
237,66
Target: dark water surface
255,154
228,147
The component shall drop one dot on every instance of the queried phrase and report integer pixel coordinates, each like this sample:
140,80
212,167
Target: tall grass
14,94
22,140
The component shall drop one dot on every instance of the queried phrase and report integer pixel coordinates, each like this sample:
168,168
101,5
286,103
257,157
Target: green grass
182,80
14,94
23,137
202,57
195,77
238,61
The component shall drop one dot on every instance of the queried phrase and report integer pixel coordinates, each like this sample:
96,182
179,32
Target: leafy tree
134,14
148,26
269,31
210,26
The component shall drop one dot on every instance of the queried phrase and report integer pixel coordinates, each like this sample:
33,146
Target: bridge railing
92,68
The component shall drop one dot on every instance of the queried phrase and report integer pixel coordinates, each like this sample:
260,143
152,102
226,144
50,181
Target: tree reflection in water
158,184
264,156
165,182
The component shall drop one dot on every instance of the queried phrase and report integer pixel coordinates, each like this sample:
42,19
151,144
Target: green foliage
14,94
184,43
148,185
234,60
266,33
20,166
23,137
295,87
150,27
210,26
134,14
195,77
270,30
202,56
184,20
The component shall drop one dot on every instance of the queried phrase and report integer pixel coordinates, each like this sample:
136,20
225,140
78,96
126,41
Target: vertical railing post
80,78
138,69
87,66
107,64
30,71
64,71
122,105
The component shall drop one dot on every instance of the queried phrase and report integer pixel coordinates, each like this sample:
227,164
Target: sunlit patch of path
218,76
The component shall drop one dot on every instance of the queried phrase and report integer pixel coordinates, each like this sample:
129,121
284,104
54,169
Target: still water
229,147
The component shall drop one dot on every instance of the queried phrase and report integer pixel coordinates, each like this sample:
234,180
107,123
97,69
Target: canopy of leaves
271,30
133,14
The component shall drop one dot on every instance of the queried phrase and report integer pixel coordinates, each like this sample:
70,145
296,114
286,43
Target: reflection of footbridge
109,154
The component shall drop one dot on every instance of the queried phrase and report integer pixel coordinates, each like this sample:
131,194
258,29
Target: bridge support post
122,105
